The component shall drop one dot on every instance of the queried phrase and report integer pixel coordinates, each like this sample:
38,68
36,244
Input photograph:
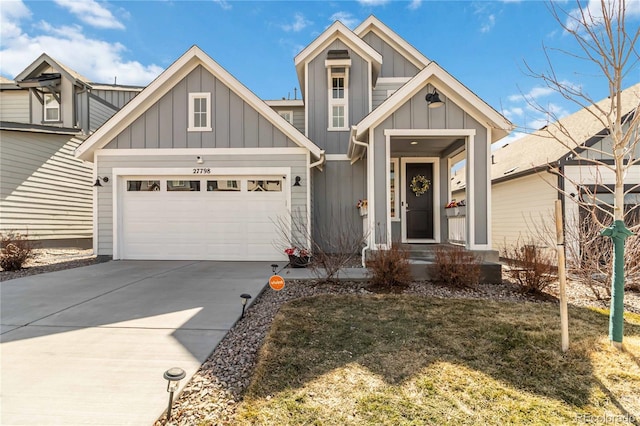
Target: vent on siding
338,54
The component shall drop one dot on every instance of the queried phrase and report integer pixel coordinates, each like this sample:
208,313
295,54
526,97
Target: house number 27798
201,171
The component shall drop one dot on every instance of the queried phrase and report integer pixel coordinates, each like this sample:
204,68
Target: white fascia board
450,87
285,103
336,31
199,151
165,82
389,36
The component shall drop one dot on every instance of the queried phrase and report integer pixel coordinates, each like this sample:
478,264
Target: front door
418,201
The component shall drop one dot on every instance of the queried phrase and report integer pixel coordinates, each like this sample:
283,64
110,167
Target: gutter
320,162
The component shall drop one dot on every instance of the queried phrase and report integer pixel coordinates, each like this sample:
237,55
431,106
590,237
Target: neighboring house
525,186
45,114
200,168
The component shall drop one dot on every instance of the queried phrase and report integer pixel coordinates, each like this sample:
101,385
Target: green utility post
618,233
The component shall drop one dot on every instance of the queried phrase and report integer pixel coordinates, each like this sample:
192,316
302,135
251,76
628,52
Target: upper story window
338,98
200,112
51,108
287,115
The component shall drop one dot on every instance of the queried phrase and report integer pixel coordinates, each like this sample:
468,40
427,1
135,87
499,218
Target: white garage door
214,218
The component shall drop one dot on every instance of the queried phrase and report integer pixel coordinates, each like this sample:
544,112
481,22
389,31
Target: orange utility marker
276,282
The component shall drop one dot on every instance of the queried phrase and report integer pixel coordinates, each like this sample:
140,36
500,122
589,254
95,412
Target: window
183,185
199,112
393,193
51,108
287,115
143,185
338,98
223,185
264,185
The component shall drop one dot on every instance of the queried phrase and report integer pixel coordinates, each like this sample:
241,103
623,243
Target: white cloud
299,23
92,13
514,112
594,9
97,60
489,23
533,94
415,4
514,136
224,4
346,18
373,2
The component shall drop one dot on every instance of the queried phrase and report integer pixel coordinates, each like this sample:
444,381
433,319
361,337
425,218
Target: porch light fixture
199,160
414,142
245,298
173,377
297,182
104,179
274,268
433,100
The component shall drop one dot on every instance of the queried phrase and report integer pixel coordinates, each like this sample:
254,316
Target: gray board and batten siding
335,142
46,192
394,64
106,163
235,123
414,114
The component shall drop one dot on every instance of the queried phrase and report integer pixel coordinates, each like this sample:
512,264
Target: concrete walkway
90,345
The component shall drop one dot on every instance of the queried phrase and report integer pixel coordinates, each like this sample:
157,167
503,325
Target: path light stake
245,298
274,267
173,377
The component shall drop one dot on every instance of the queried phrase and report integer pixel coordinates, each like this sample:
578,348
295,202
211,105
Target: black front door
418,201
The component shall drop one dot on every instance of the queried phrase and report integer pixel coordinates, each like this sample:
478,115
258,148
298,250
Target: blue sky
484,44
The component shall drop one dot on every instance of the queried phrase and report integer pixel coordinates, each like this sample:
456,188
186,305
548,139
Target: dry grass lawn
406,360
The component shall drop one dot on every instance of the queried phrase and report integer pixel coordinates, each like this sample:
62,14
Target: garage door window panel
264,185
183,185
223,185
143,185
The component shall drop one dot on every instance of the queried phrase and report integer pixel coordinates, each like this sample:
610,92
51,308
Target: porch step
426,252
490,272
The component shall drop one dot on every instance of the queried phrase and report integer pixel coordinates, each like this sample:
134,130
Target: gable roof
373,24
449,87
337,30
540,148
45,59
165,82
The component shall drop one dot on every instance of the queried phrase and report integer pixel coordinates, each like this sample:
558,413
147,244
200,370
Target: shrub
532,267
456,267
15,250
390,268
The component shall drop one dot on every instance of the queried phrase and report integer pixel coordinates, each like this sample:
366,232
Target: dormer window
338,64
51,108
200,112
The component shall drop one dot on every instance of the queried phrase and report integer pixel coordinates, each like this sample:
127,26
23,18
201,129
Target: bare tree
604,41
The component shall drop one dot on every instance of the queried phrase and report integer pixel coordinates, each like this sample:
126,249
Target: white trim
309,207
95,206
44,108
118,175
449,86
207,97
306,109
286,111
393,39
329,63
387,169
435,161
489,245
199,151
371,198
393,80
338,102
370,88
285,102
336,157
165,82
470,188
430,132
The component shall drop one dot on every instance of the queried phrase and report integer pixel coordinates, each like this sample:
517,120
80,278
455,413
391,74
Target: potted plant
363,206
298,258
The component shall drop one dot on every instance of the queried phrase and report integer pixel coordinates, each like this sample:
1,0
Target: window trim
192,97
45,109
287,111
334,102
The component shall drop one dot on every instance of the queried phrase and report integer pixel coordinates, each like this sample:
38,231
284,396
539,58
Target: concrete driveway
90,345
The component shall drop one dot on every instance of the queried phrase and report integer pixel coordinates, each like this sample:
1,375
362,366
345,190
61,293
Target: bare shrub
531,266
16,249
331,249
456,267
389,268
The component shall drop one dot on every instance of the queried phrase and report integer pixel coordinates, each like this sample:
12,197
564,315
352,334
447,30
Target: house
531,173
199,167
45,114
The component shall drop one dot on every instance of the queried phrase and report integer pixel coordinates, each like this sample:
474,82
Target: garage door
217,218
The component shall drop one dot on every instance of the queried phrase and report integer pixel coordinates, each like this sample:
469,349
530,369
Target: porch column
478,191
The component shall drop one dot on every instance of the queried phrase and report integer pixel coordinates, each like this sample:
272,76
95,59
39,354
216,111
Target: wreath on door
420,185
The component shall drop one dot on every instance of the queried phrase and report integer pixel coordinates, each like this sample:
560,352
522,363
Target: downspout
320,162
366,146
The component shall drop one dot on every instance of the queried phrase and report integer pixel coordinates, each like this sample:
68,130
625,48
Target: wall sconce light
298,179
245,298
104,179
173,377
433,100
199,160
